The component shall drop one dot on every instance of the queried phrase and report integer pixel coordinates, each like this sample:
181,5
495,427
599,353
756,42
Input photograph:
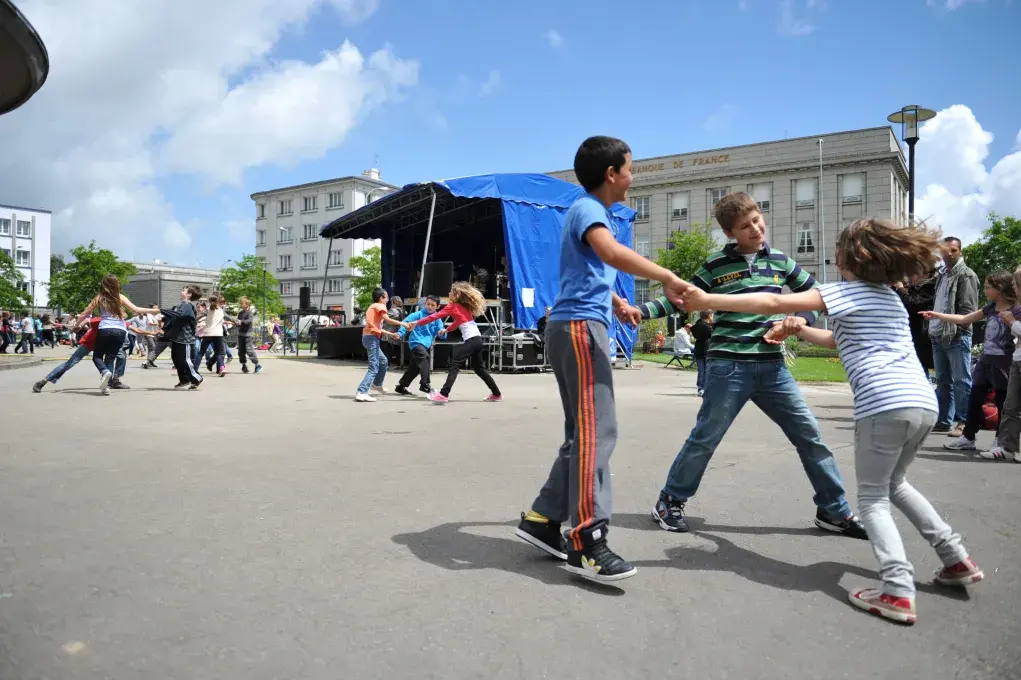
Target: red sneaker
494,397
964,573
878,603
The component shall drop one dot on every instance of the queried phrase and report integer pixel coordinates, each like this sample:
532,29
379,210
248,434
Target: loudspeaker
437,278
304,298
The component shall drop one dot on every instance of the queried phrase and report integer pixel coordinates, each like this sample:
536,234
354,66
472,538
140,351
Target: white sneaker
379,389
962,443
364,396
997,453
104,382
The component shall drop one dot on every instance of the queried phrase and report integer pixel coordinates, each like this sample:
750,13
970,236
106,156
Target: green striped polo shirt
739,336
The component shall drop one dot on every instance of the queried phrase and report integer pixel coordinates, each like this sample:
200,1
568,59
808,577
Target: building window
285,263
313,286
260,211
23,286
24,229
679,205
308,260
804,193
716,195
6,252
336,286
336,258
641,206
284,235
851,188
310,232
285,208
641,291
285,287
260,237
763,195
806,238
24,258
5,227
308,203
336,200
642,246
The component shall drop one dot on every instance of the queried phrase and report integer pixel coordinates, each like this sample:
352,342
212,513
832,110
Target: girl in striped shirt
895,407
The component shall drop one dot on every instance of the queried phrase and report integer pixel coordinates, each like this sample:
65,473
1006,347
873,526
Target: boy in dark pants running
420,341
578,488
743,367
246,352
179,326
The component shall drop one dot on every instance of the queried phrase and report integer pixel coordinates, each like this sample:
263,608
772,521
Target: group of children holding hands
895,406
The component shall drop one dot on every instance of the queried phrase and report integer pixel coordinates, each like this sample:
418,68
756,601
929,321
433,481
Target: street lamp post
909,117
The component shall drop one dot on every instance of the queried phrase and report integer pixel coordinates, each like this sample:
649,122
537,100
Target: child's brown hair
1003,281
878,251
733,207
193,293
467,296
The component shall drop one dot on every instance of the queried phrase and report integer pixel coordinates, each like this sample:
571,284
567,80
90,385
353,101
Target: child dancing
420,340
993,368
465,304
375,317
895,407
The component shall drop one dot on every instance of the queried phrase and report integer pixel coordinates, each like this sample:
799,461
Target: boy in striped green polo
744,366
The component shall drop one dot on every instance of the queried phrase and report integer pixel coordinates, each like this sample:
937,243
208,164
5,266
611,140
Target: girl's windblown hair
469,297
878,251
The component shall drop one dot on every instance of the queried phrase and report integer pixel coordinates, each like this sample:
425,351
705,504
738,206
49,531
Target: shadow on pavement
448,546
939,453
642,522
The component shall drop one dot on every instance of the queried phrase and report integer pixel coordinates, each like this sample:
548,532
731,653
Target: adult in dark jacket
956,293
702,332
246,352
918,296
179,327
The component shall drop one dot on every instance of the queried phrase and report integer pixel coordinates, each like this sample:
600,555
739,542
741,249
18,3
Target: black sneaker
401,389
244,369
546,537
118,385
669,514
942,429
38,387
425,388
849,526
151,364
182,384
195,386
600,564
209,366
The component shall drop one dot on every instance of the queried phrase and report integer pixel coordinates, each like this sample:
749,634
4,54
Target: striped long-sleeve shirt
736,335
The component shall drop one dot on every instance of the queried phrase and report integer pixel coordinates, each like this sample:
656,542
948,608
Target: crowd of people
881,325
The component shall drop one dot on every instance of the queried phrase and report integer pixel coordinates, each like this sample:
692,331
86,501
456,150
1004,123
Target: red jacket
458,312
88,340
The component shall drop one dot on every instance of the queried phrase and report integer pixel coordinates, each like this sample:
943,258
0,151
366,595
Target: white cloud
150,90
955,189
721,118
791,25
554,38
492,82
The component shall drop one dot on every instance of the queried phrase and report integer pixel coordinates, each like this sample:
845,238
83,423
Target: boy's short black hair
594,156
434,298
377,294
705,314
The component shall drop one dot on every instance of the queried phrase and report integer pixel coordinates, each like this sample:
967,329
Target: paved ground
268,527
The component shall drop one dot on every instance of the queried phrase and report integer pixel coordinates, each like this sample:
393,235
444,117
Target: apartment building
862,173
287,224
25,238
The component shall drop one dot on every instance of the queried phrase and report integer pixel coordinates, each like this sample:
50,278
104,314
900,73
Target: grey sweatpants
578,487
884,446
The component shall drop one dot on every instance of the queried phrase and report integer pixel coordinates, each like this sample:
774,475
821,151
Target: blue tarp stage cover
531,208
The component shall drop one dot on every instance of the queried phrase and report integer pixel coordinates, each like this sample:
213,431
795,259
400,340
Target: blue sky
508,87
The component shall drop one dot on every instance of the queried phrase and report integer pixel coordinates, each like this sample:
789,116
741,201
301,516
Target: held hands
781,330
675,290
628,314
694,299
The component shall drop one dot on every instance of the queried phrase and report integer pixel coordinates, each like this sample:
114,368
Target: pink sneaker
494,397
438,398
878,603
964,573
222,372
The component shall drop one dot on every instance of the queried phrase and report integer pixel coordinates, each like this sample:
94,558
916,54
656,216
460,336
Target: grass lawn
806,369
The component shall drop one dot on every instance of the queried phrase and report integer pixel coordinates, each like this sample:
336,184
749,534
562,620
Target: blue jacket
422,335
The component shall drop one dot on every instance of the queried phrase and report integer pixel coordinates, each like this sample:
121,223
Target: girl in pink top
465,304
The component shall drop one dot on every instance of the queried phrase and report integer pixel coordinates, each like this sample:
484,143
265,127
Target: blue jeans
700,367
953,379
57,373
729,385
377,364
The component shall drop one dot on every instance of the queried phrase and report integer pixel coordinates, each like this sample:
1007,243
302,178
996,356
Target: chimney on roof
371,173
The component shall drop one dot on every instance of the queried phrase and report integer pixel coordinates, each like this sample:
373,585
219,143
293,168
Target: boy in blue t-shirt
577,344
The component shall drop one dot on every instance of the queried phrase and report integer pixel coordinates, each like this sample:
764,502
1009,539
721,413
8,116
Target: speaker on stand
304,298
437,278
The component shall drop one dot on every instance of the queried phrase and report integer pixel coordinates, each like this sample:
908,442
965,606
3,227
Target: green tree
74,286
369,268
687,250
57,264
999,248
12,297
249,278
